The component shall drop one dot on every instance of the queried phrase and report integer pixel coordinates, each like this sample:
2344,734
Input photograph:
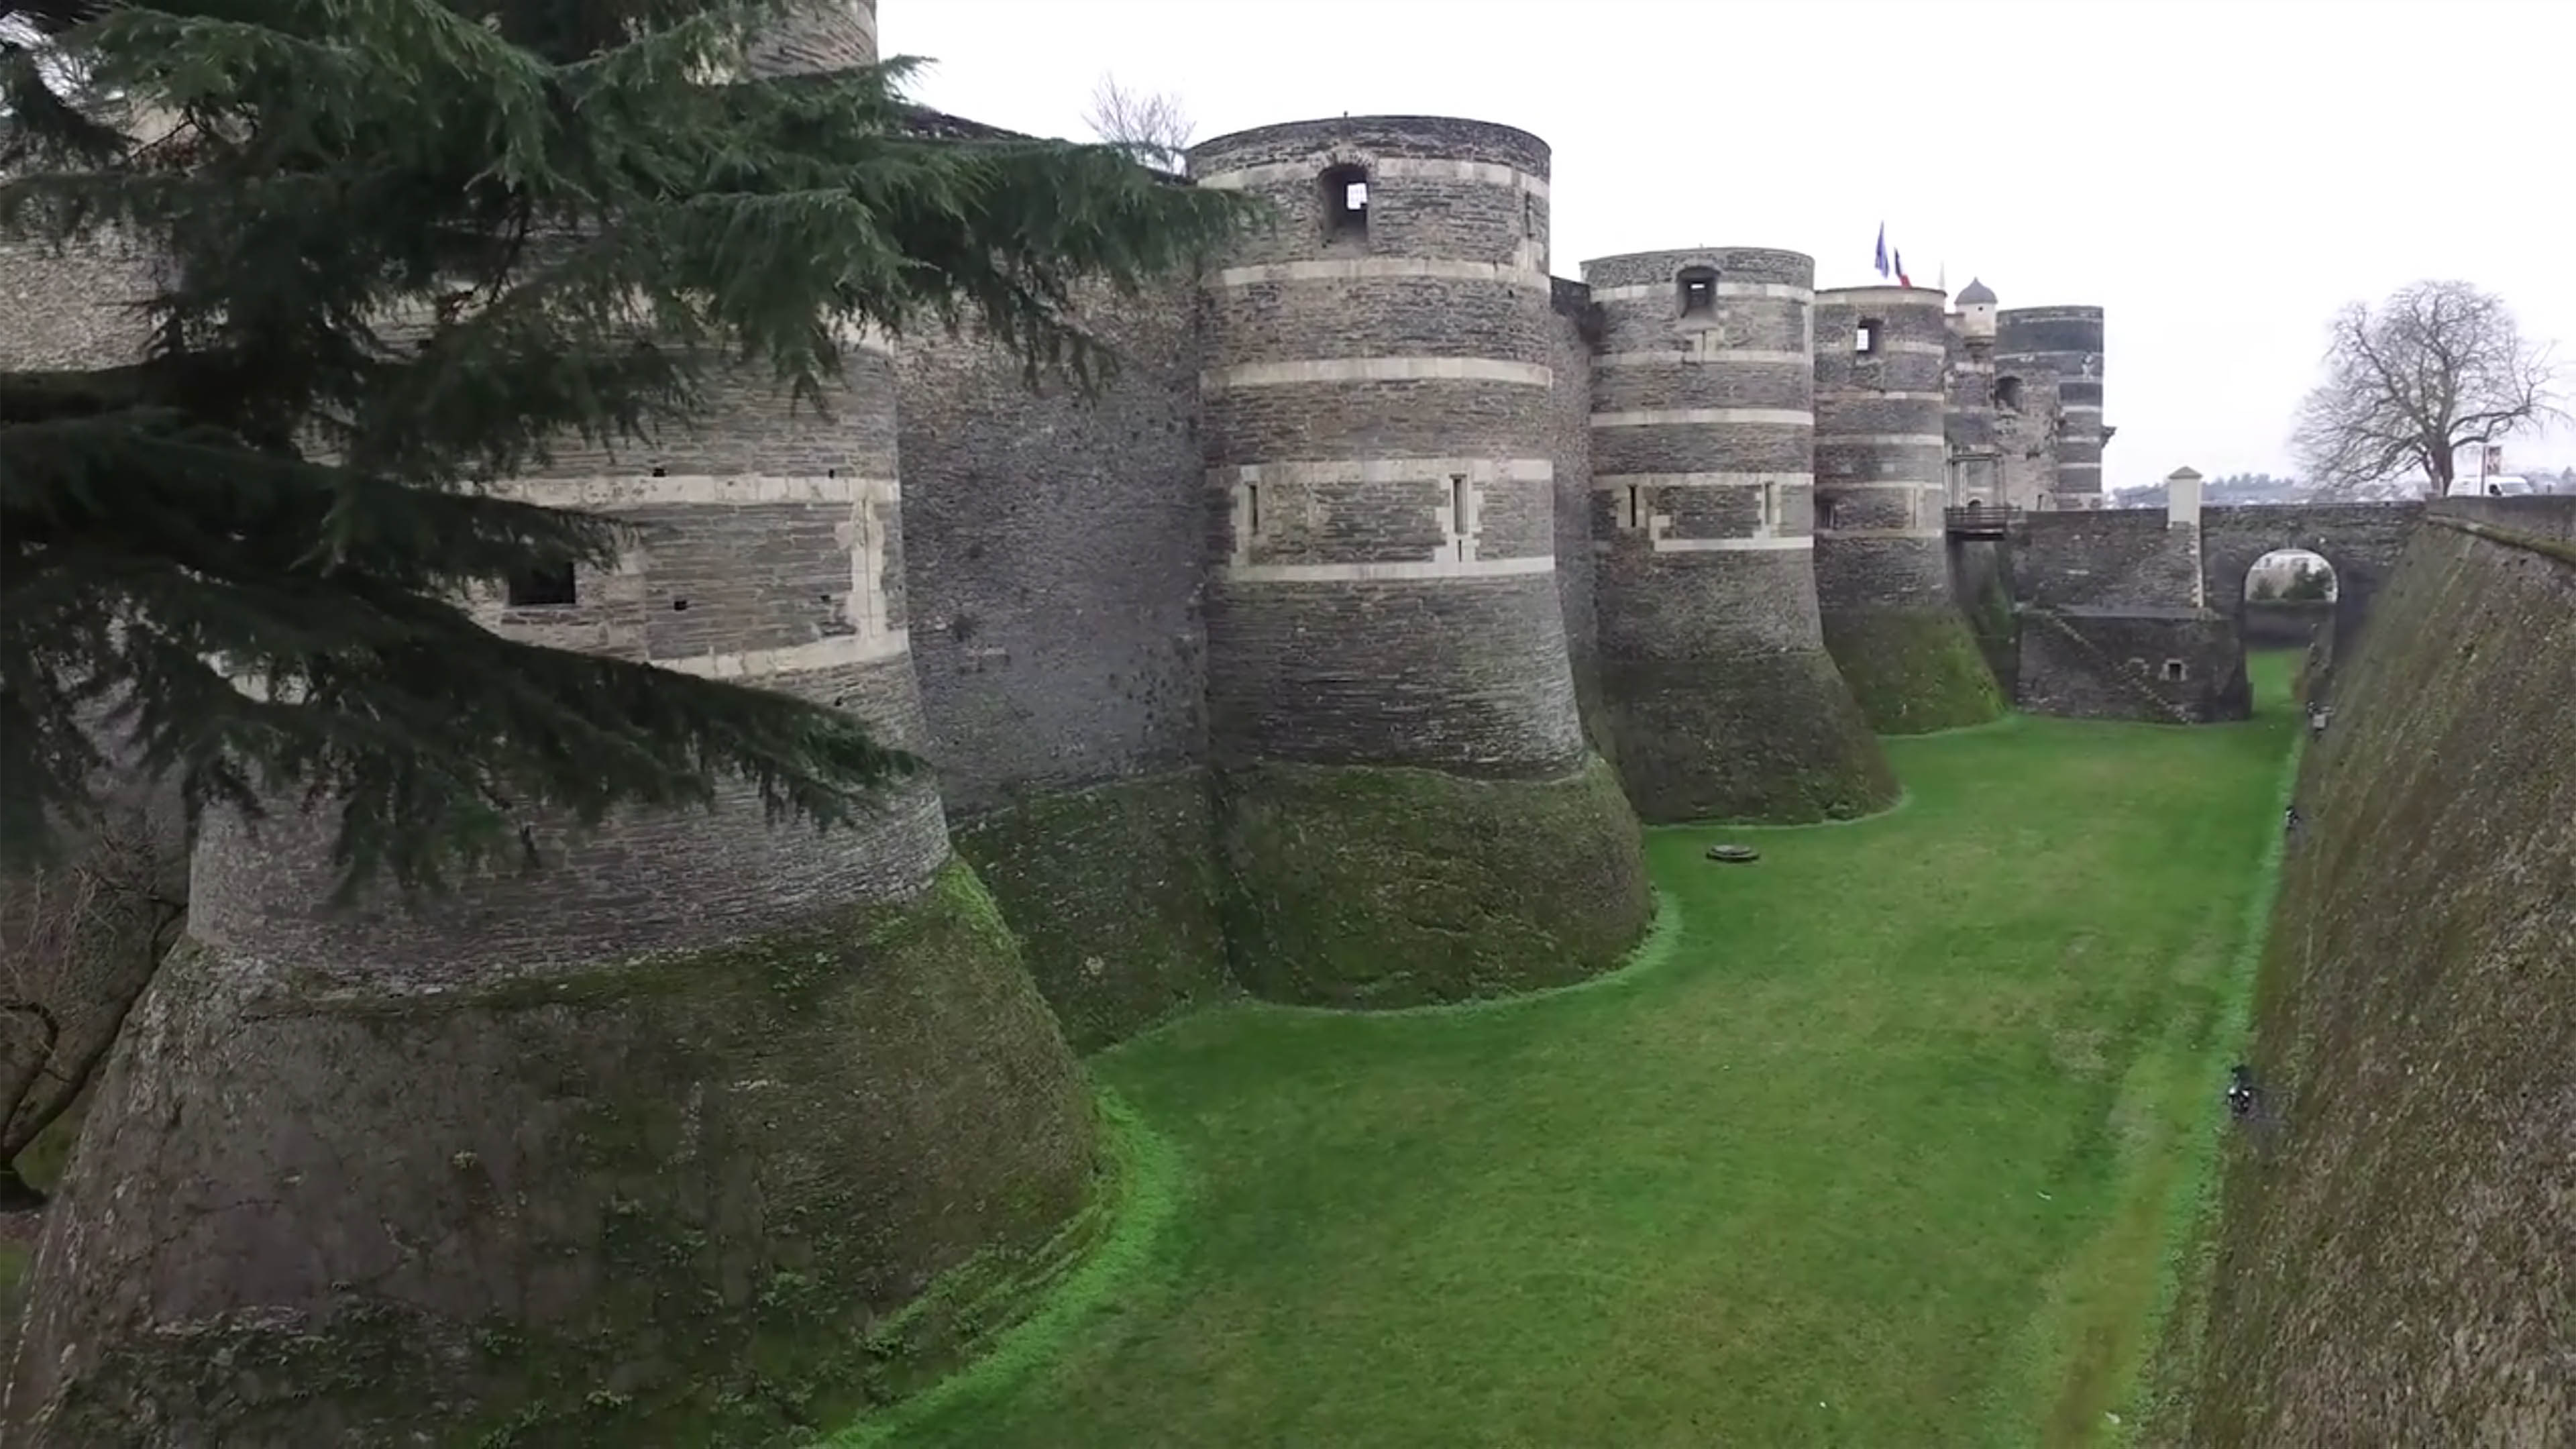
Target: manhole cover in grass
1733,854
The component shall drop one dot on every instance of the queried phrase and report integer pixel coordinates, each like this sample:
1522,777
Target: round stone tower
1718,695
2057,353
606,1107
1882,562
1409,808
1975,474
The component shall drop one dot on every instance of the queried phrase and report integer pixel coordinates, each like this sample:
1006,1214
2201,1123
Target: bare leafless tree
1155,129
2438,367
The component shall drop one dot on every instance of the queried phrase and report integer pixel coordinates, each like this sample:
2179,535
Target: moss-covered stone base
1774,738
1375,887
724,1198
1113,893
2392,1263
1913,671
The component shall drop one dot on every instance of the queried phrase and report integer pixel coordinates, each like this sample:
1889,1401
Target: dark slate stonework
1056,559
2124,580
1717,697
2363,542
1058,571
2061,416
1429,417
753,576
2119,665
1333,673
1866,404
1570,440
1383,316
2113,558
1317,474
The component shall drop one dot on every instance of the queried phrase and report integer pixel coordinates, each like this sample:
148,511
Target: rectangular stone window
1252,508
1346,203
542,587
2173,670
1865,341
1698,290
1636,505
1460,524
1824,513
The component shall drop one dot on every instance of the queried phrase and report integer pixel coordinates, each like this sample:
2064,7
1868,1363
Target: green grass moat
1893,1138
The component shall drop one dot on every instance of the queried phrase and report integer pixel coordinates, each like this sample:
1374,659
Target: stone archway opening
2289,594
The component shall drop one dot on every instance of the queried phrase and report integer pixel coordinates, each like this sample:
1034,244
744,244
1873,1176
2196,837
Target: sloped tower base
651,1204
1913,671
1113,893
1366,886
1773,738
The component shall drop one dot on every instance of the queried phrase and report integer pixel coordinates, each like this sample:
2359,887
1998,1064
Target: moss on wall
1112,891
1913,670
1377,887
1771,738
2393,1247
720,1198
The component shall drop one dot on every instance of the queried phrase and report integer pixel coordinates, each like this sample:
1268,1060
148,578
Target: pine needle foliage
405,247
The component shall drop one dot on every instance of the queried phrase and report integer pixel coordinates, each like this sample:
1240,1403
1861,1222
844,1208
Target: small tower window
1634,505
542,586
2173,669
1698,287
2008,394
1824,513
1252,507
1346,201
1865,341
1529,214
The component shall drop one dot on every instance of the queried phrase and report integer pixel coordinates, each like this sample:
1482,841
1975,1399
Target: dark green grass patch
1885,1151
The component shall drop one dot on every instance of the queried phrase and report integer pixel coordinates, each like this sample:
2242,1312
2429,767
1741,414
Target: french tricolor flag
1885,263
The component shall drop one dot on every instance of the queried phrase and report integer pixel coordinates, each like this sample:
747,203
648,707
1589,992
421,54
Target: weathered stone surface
1113,890
597,1206
1712,655
2392,1260
2052,443
1057,558
1363,886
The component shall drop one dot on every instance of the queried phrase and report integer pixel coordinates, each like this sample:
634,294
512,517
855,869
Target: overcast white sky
2220,175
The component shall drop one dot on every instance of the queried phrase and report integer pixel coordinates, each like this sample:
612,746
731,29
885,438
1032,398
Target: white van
2496,485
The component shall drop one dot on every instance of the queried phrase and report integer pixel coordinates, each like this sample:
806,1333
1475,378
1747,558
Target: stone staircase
2110,667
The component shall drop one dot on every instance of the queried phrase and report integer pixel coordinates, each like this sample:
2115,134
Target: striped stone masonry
1882,447
2064,347
1376,394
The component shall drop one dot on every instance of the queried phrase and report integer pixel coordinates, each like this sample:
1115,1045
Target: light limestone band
1610,481
1637,291
1388,168
1669,417
837,652
1698,355
1378,369
1356,269
1403,570
745,490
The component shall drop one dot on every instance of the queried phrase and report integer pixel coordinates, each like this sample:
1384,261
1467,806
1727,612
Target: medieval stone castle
1332,653
1376,493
